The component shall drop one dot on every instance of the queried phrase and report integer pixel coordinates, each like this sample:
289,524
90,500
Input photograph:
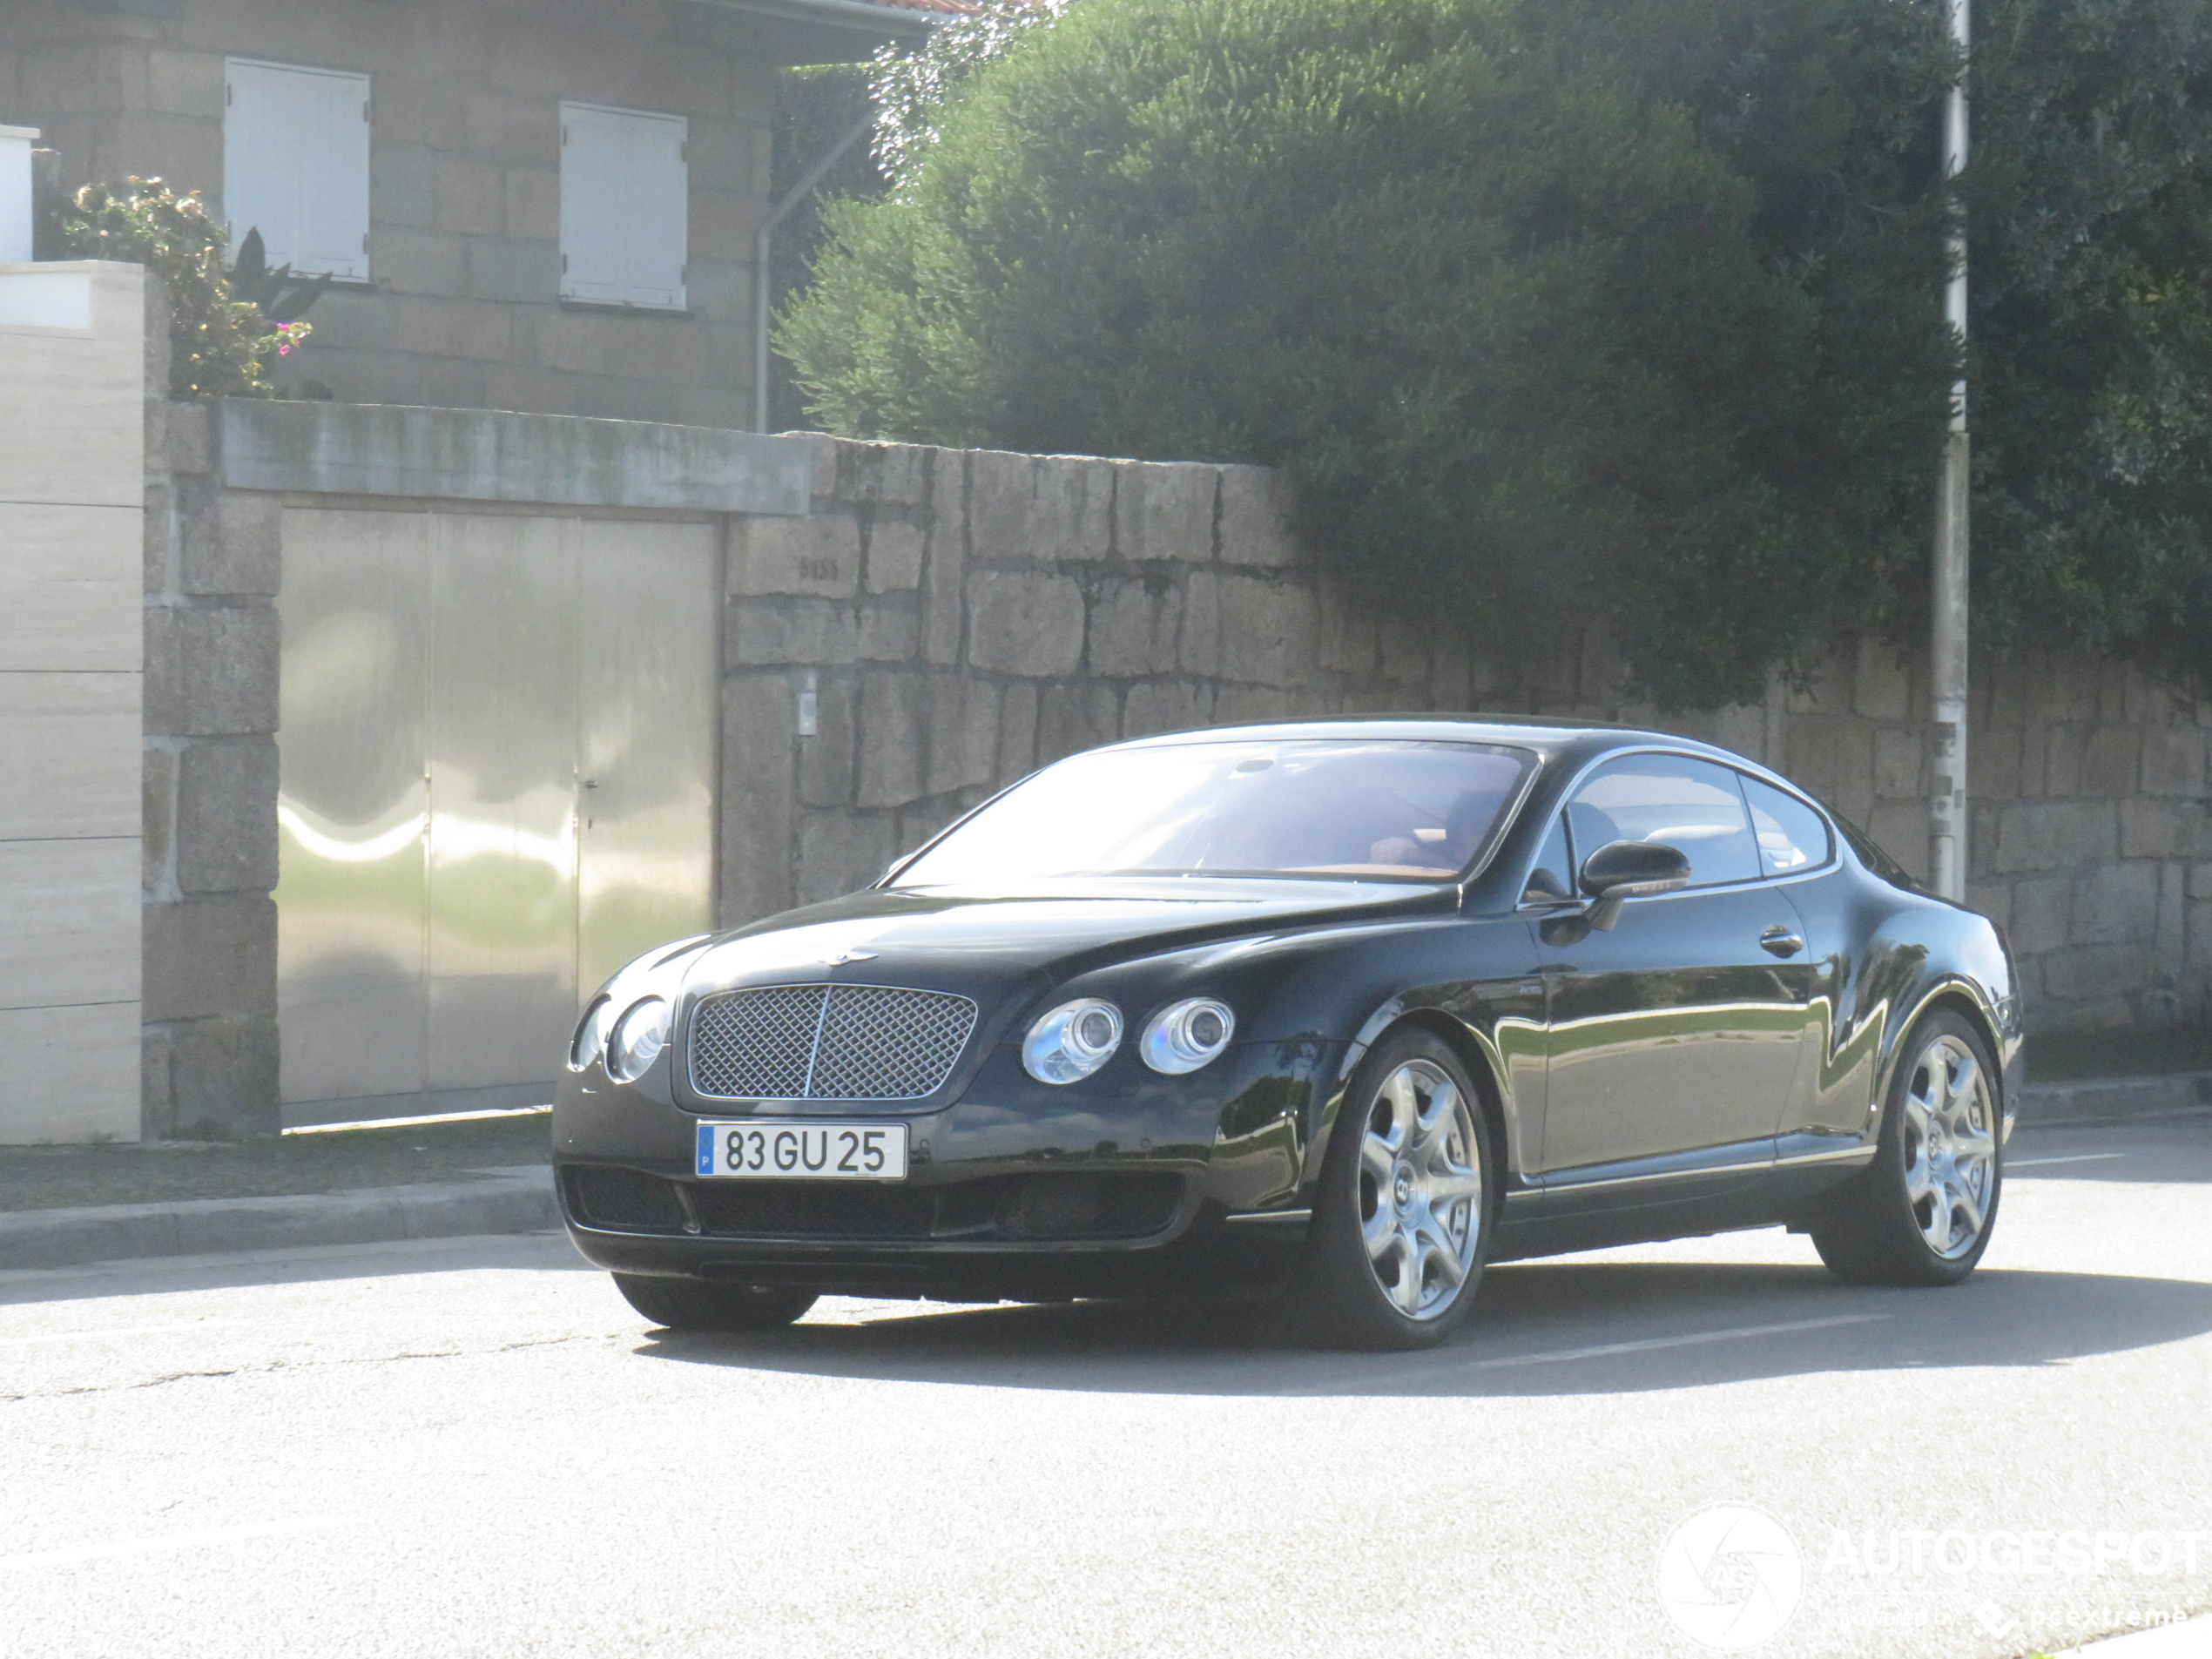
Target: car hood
981,942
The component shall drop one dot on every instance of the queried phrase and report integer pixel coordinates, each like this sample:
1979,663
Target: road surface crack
165,1378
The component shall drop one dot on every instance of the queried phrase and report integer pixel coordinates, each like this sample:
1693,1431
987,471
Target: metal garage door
498,753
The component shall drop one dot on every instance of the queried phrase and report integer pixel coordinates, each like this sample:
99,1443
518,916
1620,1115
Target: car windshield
1364,809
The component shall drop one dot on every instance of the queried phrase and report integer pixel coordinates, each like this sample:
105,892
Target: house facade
544,206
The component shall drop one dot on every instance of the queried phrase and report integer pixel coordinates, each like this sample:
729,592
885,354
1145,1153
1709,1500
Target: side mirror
1622,870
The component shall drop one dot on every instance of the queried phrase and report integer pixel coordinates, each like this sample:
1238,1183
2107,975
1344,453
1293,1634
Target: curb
504,1202
2105,1100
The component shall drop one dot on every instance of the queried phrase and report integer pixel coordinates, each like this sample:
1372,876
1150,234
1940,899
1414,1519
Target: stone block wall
904,629
214,565
955,618
960,617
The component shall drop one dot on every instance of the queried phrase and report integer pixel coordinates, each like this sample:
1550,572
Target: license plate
779,1149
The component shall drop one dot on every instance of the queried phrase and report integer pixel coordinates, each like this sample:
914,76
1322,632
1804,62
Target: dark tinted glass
1690,804
1791,836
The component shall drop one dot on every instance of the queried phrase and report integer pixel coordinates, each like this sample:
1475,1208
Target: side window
1692,804
1552,880
1791,836
295,166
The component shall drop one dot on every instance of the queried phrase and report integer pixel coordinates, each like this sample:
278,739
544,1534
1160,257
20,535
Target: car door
1676,1036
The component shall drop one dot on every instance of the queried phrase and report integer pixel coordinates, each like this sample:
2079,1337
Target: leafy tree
2090,197
1561,309
911,89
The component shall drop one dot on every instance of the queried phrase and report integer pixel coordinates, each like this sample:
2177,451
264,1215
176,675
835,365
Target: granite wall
957,617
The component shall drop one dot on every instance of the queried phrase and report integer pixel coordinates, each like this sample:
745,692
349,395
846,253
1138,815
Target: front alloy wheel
1400,1225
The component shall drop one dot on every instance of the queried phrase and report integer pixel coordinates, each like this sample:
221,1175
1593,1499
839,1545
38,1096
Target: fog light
1073,1041
1188,1034
638,1039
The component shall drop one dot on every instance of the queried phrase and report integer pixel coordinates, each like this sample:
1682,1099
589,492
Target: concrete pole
1947,800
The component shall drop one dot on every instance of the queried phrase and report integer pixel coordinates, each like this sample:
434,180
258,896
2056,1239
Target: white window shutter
295,166
625,206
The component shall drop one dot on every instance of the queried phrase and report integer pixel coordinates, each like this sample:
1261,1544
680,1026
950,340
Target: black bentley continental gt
1337,1010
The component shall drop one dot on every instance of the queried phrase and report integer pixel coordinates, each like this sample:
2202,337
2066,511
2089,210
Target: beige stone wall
963,617
73,429
464,179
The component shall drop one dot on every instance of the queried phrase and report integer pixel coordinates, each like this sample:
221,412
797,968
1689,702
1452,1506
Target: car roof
1548,735
1571,743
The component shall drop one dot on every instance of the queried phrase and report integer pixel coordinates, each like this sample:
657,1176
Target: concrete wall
464,176
74,420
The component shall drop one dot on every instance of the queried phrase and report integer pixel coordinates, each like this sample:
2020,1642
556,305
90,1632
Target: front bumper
1017,1189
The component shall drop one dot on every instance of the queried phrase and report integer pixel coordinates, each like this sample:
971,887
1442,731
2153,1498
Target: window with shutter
625,206
295,166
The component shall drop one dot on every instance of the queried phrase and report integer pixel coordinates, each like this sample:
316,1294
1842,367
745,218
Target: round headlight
590,1040
1073,1041
1186,1036
638,1039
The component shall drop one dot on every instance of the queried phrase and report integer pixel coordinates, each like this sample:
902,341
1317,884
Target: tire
687,1305
1406,1180
1922,1212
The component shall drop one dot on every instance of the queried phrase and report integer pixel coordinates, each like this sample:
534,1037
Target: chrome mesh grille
828,1043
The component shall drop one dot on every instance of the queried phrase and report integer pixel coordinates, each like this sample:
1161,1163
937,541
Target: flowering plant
221,341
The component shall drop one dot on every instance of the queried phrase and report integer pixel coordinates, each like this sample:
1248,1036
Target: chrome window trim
1858,1151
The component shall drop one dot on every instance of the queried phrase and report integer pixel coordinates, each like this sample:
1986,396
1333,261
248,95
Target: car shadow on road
1542,1328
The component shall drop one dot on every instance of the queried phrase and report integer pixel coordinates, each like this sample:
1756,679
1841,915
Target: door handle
1781,942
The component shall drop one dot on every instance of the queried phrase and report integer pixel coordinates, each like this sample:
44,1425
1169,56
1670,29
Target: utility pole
1947,750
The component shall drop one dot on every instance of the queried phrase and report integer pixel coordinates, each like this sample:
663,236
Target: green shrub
221,344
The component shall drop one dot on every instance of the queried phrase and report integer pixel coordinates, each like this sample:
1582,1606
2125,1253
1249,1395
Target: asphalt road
472,1446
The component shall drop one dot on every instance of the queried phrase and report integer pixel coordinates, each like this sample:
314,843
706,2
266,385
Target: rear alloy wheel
687,1305
1401,1222
1923,1211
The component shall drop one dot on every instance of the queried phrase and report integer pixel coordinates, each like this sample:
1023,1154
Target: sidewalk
65,1206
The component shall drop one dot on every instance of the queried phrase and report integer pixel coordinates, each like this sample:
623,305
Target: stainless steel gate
498,748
